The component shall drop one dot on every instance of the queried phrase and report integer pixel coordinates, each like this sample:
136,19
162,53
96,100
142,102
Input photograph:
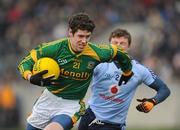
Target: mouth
82,46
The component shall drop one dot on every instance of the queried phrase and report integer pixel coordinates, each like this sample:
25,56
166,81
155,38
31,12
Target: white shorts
48,106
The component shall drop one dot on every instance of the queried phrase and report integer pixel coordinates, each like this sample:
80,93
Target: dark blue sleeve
162,90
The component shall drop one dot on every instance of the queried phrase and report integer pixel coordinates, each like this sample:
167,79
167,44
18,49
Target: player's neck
72,47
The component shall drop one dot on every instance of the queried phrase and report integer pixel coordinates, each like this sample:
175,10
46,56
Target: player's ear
70,32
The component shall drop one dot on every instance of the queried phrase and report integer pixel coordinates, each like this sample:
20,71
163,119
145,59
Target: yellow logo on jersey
75,75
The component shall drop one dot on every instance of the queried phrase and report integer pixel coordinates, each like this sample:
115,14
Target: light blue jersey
110,102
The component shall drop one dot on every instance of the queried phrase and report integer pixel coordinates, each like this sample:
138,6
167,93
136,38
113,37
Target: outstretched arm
162,93
162,90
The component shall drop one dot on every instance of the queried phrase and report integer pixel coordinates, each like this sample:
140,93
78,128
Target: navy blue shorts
88,122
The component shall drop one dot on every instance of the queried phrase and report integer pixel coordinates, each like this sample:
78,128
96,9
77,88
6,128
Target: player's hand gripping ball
49,64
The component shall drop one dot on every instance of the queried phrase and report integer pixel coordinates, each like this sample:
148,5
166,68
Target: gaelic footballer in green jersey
60,105
75,68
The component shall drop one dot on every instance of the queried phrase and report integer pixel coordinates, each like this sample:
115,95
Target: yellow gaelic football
49,64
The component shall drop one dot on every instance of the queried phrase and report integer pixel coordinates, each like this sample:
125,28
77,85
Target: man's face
120,41
79,39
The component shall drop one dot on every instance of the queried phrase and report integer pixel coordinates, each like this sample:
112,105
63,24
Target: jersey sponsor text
74,75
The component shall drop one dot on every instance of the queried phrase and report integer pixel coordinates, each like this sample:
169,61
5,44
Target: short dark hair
120,33
81,21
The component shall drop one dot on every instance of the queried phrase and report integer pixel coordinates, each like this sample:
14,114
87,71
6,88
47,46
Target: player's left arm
163,92
108,53
125,63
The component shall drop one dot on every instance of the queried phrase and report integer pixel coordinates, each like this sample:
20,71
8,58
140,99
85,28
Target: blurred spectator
9,109
176,64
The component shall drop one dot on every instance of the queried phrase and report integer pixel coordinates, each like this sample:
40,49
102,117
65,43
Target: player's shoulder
105,66
137,64
59,41
56,42
139,67
142,69
98,46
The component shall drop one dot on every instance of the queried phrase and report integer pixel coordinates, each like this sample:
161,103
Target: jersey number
117,77
76,65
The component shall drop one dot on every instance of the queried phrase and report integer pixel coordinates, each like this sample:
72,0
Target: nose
118,44
84,40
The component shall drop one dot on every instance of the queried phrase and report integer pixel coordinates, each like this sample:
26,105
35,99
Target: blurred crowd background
26,23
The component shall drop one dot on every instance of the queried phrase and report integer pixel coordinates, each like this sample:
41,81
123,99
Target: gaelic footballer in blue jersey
109,102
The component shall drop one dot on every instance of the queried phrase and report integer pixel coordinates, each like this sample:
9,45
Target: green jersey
76,69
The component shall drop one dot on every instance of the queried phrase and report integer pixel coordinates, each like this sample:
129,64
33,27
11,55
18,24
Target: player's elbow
168,92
